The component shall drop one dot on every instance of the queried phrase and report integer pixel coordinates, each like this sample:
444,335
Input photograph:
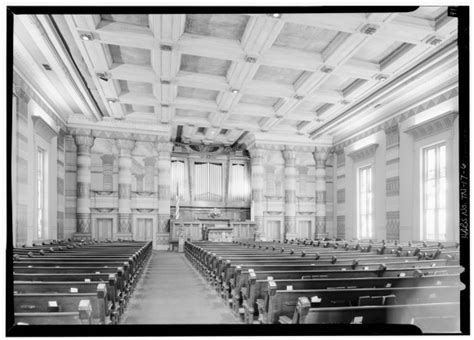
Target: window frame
371,215
424,232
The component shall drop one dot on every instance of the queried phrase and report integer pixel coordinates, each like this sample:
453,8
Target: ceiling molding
42,128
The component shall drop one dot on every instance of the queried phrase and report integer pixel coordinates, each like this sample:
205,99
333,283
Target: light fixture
235,91
381,77
86,37
276,15
111,100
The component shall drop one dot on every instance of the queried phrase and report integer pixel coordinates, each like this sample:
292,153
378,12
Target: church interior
258,168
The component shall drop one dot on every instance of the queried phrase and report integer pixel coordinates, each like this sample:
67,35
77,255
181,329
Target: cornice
363,153
404,115
432,126
43,128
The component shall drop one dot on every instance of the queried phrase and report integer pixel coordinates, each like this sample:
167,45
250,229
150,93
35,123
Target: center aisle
171,291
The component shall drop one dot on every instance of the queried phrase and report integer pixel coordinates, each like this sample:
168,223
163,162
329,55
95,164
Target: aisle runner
171,291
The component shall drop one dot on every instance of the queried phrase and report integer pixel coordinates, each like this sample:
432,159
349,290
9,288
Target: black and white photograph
198,171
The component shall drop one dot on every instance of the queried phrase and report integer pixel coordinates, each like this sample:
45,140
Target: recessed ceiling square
277,74
225,26
131,19
216,67
191,92
135,86
258,100
377,49
138,108
129,55
192,113
337,82
306,106
312,39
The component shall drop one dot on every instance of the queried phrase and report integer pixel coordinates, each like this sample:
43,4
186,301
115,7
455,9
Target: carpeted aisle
171,291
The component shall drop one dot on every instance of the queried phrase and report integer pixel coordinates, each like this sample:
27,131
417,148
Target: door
104,229
143,229
304,229
272,230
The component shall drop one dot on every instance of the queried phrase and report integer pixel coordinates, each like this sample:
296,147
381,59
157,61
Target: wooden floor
171,291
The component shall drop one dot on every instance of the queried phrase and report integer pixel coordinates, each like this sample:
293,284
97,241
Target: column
320,155
139,178
257,177
289,154
149,174
107,172
125,147
392,184
84,144
164,195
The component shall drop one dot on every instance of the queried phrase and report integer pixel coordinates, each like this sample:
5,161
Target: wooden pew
257,289
283,302
242,278
83,315
431,318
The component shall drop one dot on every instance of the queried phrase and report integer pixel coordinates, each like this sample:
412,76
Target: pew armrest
284,320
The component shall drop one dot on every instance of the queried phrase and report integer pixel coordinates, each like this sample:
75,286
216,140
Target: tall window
365,210
41,195
208,182
239,185
434,192
177,180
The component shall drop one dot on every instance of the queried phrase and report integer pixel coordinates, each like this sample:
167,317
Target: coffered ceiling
212,77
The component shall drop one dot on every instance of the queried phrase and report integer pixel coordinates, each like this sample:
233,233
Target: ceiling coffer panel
130,55
135,87
222,26
278,74
138,108
130,19
191,92
258,100
204,65
302,37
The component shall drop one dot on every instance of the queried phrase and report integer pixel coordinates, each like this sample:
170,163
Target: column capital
125,146
257,155
289,154
320,155
164,149
84,143
107,159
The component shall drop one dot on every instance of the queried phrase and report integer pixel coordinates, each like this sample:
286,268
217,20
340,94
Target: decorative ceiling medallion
326,69
297,97
251,60
166,48
369,29
165,82
165,105
344,102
